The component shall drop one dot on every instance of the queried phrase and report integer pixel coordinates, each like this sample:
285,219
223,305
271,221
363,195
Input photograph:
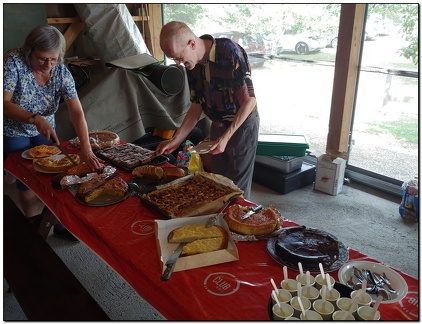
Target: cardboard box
329,174
165,249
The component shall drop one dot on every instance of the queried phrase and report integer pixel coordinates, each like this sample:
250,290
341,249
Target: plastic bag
192,161
409,206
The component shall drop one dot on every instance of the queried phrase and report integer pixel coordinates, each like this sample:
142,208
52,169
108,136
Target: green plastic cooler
282,144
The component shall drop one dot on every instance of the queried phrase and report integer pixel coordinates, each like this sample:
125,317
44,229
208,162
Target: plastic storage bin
285,164
282,145
283,183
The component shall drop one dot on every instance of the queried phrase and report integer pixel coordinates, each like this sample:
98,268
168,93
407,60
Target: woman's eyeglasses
44,60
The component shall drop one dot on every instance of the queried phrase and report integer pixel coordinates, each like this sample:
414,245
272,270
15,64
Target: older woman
35,80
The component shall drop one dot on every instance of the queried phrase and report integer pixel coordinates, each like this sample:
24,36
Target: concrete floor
360,217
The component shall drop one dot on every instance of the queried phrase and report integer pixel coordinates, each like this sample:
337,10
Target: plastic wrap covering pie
308,246
127,155
261,223
199,194
115,187
100,139
41,151
56,163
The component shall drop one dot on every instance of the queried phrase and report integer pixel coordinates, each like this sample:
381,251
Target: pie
127,155
308,246
100,139
42,151
260,223
197,195
57,163
115,187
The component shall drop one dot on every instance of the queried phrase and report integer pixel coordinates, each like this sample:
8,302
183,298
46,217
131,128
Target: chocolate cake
308,246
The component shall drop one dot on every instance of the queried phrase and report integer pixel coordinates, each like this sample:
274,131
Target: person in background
219,77
35,79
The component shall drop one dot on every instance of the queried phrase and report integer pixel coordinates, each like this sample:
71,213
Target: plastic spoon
302,308
308,278
276,299
362,295
285,273
322,270
374,310
300,268
323,296
352,307
299,289
273,283
328,279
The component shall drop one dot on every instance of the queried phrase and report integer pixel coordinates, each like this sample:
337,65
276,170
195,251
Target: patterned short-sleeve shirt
28,94
224,83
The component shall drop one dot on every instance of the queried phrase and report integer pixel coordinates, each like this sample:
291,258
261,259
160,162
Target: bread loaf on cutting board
200,238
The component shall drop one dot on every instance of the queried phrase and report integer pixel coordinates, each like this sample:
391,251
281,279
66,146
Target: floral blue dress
28,94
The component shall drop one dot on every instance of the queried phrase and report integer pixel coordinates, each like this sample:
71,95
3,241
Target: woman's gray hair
45,38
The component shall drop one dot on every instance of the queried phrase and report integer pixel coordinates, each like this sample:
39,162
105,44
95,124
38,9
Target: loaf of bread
200,238
172,173
149,172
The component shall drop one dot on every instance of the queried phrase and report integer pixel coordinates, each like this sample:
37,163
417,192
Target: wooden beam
345,78
155,28
72,20
72,32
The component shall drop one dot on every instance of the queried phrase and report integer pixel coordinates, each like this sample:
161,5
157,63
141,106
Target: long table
123,236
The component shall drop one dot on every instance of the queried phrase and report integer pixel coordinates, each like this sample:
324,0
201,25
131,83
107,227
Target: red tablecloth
123,236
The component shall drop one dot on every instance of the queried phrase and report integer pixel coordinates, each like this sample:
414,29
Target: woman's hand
45,128
91,159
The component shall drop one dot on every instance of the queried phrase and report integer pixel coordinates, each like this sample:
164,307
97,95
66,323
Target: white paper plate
202,148
396,280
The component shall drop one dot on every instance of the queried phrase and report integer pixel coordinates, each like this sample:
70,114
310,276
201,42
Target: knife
100,183
251,212
65,153
171,262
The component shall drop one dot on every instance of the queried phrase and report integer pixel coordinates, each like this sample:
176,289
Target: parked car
253,44
299,43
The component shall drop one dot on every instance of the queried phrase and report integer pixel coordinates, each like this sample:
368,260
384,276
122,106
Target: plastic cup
364,314
284,311
344,304
365,299
325,309
319,282
338,315
302,279
310,292
283,295
290,285
332,295
295,304
311,315
292,318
